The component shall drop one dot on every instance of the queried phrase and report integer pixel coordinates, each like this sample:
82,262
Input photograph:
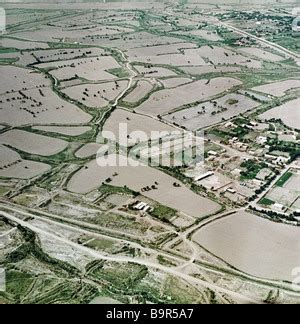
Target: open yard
92,176
253,245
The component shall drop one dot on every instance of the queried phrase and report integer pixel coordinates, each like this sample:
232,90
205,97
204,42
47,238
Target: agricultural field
212,112
13,166
133,124
139,92
288,113
92,176
69,131
165,101
149,153
96,95
279,89
262,240
262,54
88,150
285,195
33,143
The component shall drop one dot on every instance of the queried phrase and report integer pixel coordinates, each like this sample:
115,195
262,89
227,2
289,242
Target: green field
284,179
266,202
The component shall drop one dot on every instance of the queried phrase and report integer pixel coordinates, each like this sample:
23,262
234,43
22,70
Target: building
204,176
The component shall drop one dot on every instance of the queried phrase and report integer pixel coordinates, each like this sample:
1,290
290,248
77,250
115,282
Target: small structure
204,176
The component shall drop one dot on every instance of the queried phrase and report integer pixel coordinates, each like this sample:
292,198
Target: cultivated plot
69,131
279,89
93,69
166,100
212,112
13,166
262,54
96,95
21,45
253,245
33,143
39,105
289,113
92,176
141,89
88,150
123,123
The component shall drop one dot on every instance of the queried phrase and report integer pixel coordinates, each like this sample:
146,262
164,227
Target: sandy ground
98,95
139,92
88,150
254,245
12,166
166,100
289,113
33,143
278,89
134,122
262,54
92,176
69,131
194,118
